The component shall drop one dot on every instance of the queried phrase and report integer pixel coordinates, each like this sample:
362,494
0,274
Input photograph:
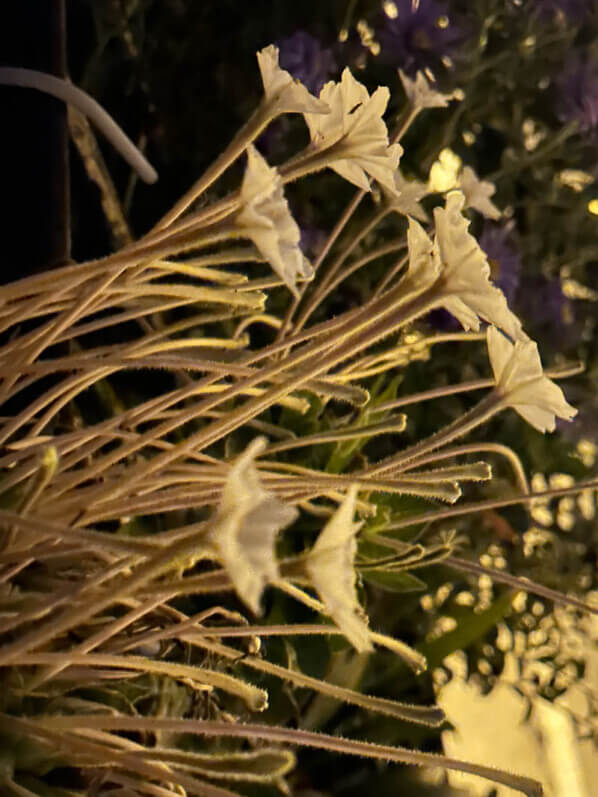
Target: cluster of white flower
449,271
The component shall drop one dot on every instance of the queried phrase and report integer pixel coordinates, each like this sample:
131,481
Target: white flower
460,269
331,568
356,126
267,220
245,527
406,195
477,193
286,94
520,379
421,94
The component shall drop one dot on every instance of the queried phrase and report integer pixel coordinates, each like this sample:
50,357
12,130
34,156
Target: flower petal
245,527
520,379
356,127
280,88
477,193
331,567
421,94
266,219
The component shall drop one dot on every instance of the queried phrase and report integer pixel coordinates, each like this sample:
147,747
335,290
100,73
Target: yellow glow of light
390,9
442,22
444,172
593,207
575,179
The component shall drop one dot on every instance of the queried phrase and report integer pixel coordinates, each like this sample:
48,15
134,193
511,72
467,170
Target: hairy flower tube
356,129
477,193
247,521
520,379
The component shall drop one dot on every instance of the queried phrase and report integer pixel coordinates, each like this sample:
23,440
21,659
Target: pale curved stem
65,91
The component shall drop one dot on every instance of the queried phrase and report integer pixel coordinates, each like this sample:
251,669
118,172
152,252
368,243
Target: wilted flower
577,87
286,94
406,196
459,270
505,262
477,193
421,94
520,380
418,35
245,527
305,58
266,219
356,126
331,568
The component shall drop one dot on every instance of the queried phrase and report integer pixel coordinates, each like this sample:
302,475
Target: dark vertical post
34,219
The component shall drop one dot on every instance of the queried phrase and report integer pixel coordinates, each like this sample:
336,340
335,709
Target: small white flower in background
331,568
421,94
477,193
355,123
247,521
406,196
520,379
282,90
266,219
459,266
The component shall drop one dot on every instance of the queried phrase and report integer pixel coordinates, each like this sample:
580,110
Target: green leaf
394,580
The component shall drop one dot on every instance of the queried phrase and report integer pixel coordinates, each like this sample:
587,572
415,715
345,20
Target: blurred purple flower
577,88
312,240
419,35
505,263
543,302
304,57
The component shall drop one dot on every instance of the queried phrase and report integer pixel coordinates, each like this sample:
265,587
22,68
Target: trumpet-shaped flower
459,271
406,196
331,568
520,380
477,193
286,94
266,219
247,521
421,94
356,128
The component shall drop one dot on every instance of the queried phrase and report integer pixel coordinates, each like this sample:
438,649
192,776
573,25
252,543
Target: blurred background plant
181,77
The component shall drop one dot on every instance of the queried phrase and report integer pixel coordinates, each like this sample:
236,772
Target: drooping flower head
505,262
244,531
356,126
265,218
520,380
577,93
457,270
331,568
416,35
307,60
285,94
421,92
477,193
406,197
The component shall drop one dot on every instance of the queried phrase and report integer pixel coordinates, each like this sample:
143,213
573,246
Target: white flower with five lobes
265,218
357,131
521,382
